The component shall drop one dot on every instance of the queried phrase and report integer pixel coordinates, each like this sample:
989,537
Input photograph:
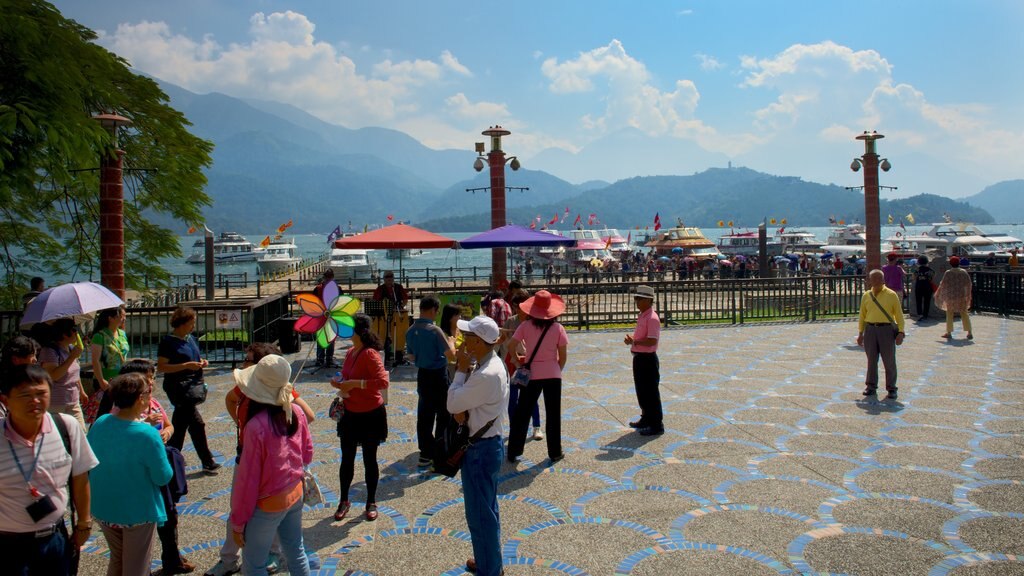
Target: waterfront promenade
771,464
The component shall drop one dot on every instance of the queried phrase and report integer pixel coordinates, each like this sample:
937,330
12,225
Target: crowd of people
108,452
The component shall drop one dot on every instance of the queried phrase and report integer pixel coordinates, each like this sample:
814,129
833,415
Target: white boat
228,247
279,255
351,264
797,241
961,239
747,243
588,246
403,253
849,240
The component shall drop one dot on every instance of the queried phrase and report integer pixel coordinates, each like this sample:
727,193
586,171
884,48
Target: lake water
310,245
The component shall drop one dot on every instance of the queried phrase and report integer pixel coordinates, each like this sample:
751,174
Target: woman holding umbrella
59,357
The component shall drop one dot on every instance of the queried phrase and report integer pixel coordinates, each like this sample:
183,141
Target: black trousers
26,555
923,298
646,381
432,408
186,418
552,390
170,557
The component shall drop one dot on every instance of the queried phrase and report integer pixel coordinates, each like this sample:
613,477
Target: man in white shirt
481,396
34,471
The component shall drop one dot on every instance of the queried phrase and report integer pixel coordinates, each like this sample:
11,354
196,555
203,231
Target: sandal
947,335
371,512
343,508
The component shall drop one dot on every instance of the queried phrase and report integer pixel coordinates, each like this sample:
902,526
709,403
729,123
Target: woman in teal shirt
126,499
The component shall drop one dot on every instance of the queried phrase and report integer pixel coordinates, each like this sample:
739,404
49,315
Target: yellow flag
890,218
783,222
772,221
910,218
730,223
721,223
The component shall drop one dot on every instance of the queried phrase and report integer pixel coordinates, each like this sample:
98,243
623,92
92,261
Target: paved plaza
771,464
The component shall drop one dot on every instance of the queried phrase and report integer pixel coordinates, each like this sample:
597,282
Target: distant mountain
1005,200
740,195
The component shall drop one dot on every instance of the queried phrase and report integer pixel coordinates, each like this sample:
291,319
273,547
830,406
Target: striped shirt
50,476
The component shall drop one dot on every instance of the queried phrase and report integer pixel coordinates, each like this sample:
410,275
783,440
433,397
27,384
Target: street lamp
872,224
112,208
496,160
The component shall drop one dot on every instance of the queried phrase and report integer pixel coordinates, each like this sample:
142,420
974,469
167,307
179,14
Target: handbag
521,377
311,493
452,446
337,409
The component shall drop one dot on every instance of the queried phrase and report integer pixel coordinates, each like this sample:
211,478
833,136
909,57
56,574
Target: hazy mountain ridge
1005,200
274,162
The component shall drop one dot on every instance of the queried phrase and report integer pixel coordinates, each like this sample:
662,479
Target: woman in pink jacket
266,497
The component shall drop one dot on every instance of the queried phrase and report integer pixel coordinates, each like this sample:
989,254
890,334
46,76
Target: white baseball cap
482,326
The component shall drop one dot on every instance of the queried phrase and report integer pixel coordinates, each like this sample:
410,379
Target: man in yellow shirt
880,311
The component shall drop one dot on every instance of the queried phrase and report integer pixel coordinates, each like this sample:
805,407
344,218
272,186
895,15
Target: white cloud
708,63
480,112
284,61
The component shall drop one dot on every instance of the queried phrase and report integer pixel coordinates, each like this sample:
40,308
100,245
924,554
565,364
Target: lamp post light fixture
872,221
496,159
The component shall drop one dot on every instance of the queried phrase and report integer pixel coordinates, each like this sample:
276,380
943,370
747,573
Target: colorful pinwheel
328,317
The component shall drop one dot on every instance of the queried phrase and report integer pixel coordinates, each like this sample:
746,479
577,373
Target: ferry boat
589,246
281,254
618,243
747,243
403,253
228,247
845,241
961,239
351,264
797,241
690,241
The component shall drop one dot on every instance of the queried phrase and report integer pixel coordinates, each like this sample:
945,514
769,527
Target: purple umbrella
513,235
78,300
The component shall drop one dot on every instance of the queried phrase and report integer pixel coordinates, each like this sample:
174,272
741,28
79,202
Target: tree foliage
53,80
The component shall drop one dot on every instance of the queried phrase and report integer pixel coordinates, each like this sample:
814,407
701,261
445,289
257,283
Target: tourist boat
588,247
618,243
747,243
403,253
846,241
797,241
227,248
281,254
960,239
687,241
351,264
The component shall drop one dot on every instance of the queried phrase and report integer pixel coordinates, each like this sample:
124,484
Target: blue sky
782,87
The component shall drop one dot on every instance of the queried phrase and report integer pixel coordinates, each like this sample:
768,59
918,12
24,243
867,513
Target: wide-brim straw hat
543,305
268,382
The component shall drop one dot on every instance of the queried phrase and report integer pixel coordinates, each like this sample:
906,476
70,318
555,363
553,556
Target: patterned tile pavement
771,464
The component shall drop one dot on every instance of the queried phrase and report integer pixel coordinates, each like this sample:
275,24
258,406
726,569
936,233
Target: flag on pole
590,220
577,220
192,230
391,217
566,215
629,237
553,220
335,234
910,218
890,218
657,221
832,220
265,242
533,225
282,228
608,243
902,226
289,224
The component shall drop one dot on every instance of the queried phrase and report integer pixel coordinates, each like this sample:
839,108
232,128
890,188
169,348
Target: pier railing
225,327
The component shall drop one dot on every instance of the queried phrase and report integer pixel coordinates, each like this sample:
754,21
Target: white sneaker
537,434
223,568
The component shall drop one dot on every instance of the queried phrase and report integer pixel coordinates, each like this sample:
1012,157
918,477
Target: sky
778,86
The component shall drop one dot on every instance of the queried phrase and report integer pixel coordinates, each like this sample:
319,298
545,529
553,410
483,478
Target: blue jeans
513,401
480,487
24,555
259,533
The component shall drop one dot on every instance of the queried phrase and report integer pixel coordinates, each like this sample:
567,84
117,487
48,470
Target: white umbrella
77,300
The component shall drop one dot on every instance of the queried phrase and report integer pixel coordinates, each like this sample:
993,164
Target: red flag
265,242
553,220
577,220
590,220
608,243
902,226
629,237
282,228
657,221
391,217
192,229
533,225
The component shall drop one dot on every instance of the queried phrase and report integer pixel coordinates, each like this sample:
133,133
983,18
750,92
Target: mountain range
274,162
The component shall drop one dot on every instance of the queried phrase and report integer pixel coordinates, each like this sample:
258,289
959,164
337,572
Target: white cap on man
482,326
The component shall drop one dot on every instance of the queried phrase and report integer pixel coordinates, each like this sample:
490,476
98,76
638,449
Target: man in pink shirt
643,343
